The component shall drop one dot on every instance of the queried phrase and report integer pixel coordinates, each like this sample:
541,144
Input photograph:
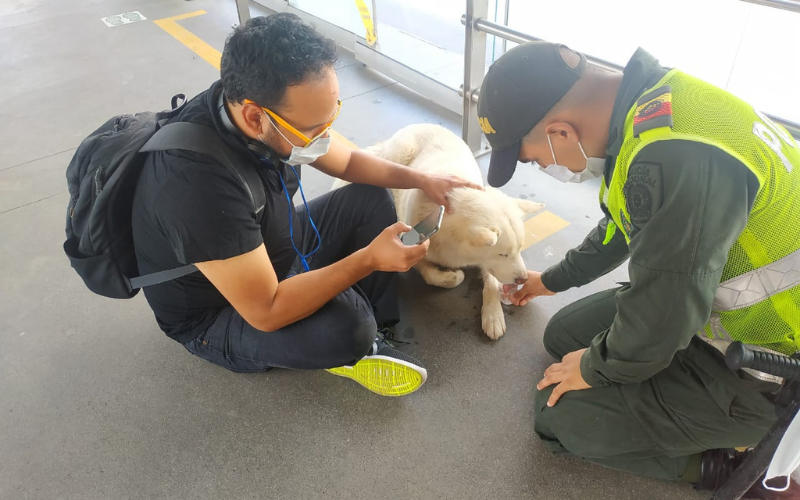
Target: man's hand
437,186
388,253
360,167
566,374
533,288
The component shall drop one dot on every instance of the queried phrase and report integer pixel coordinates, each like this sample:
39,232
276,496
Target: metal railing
477,26
243,10
790,5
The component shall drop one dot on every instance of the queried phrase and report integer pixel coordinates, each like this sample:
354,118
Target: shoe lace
388,336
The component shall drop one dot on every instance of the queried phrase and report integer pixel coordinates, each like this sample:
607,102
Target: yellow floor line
209,53
542,226
186,37
343,140
536,228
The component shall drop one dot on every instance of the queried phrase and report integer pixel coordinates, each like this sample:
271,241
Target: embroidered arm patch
642,193
653,110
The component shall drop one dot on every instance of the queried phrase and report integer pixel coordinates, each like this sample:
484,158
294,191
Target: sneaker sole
384,375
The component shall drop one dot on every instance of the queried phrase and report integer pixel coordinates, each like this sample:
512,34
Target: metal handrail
790,5
513,35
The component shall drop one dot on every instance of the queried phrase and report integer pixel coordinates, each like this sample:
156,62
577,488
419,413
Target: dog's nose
521,281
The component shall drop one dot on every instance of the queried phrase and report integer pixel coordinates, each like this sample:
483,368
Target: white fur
485,229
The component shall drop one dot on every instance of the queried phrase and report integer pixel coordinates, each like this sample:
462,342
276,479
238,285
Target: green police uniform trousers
657,427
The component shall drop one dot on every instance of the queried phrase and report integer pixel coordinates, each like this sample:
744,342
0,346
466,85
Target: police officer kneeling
702,193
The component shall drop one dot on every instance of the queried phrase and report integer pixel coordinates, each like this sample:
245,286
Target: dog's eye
503,255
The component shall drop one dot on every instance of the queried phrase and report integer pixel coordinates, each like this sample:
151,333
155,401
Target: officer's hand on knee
388,253
566,374
533,288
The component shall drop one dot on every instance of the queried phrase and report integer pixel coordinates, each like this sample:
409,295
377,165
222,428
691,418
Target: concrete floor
96,403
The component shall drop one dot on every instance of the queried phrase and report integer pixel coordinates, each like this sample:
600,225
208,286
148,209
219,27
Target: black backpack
102,178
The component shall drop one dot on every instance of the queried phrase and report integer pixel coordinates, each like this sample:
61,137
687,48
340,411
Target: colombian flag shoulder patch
653,110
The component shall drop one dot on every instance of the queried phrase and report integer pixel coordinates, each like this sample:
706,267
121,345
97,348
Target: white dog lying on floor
484,230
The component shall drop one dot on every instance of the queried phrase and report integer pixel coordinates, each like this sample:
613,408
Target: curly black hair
268,54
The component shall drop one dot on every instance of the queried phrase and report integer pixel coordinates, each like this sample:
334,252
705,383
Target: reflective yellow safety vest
758,299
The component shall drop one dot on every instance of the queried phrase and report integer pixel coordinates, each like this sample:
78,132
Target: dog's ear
483,236
529,207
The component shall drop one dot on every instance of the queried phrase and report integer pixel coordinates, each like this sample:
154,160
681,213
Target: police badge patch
640,202
642,191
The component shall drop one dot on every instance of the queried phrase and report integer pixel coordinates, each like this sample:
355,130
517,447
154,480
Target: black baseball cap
518,91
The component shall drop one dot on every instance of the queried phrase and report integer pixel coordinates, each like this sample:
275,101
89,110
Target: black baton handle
740,356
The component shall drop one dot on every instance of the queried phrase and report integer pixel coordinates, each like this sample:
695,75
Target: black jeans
343,330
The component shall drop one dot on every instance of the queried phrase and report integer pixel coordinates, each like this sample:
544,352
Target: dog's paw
530,207
450,278
494,322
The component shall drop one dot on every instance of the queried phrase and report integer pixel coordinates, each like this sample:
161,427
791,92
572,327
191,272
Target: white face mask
594,167
787,457
303,155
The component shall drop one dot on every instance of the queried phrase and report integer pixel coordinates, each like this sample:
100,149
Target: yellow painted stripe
342,139
366,20
186,37
183,16
542,226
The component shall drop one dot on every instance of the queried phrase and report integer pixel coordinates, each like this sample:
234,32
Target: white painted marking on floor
125,18
21,334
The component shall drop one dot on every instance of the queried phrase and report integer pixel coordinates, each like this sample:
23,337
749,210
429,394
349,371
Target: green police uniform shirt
688,203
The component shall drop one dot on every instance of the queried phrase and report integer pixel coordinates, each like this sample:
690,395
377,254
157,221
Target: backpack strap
161,276
203,140
178,98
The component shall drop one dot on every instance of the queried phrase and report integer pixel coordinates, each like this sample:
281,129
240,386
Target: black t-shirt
188,208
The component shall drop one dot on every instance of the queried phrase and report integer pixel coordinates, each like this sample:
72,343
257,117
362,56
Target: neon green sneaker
385,370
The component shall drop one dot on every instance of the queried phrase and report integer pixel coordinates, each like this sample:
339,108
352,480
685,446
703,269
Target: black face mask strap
264,153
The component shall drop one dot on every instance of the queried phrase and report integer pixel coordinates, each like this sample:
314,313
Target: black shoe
717,466
385,370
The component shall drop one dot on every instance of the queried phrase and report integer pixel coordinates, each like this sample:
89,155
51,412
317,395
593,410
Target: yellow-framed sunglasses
296,132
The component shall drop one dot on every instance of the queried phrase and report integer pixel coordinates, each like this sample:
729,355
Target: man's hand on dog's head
437,186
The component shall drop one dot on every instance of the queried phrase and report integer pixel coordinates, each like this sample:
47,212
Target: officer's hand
388,253
533,288
566,374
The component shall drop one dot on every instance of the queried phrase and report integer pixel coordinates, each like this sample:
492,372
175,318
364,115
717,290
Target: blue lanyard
303,258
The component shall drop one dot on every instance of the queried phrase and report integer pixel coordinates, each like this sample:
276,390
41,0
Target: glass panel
425,35
342,13
748,49
766,72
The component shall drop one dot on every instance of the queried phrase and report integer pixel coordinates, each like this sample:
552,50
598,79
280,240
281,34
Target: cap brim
503,164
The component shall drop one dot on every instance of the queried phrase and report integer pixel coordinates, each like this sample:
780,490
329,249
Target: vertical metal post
375,22
474,69
505,21
243,9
